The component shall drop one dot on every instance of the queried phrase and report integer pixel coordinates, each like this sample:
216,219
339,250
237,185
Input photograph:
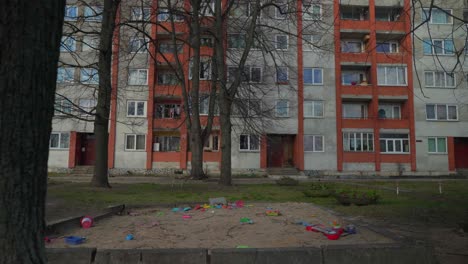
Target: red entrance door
87,150
275,151
461,153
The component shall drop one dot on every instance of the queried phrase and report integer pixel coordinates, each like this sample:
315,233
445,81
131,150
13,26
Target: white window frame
248,143
426,11
208,70
60,105
59,146
287,108
139,71
277,42
310,16
135,142
176,110
135,113
65,76
68,18
394,142
313,104
363,136
437,145
307,39
313,76
287,74
91,73
447,112
393,106
142,45
64,47
386,83
434,73
391,44
314,137
445,52
97,13
164,15
140,14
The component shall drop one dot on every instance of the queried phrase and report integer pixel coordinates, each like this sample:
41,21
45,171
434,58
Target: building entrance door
86,150
280,149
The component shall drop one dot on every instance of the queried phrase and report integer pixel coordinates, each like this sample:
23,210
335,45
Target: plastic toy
273,212
74,240
246,220
129,237
86,222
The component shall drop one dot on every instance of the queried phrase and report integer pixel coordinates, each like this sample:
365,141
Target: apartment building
338,92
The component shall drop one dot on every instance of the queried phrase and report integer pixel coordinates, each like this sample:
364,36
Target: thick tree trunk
226,128
101,122
29,49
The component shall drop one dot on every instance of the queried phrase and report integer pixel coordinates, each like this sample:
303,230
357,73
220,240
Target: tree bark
101,121
29,49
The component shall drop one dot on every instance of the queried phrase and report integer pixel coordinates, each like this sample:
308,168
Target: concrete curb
61,225
337,254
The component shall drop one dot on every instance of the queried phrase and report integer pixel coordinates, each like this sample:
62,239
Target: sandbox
160,227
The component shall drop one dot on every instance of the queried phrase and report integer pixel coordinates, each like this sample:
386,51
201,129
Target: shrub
318,190
346,197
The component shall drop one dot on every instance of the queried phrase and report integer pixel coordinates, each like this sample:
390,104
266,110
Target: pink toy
86,222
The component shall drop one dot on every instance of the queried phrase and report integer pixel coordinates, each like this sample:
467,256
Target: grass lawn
422,203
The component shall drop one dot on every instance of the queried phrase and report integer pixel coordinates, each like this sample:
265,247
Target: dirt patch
218,228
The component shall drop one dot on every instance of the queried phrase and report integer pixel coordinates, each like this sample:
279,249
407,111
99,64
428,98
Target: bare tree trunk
101,122
196,141
29,49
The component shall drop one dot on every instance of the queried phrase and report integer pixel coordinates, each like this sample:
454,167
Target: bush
318,190
287,181
347,197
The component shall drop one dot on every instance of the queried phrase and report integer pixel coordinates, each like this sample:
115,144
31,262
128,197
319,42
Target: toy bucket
86,222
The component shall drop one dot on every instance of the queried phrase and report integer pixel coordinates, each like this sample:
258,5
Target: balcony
394,123
167,123
357,122
358,57
354,18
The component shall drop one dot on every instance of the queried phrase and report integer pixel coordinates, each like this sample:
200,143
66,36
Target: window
138,45
138,77
62,107
309,41
389,111
313,76
391,75
206,42
212,144
135,142
71,13
68,44
204,105
87,106
140,14
282,108
167,143
313,108
239,9
355,110
387,47
441,112
167,78
437,16
205,70
170,111
358,141
207,7
166,47
165,14
312,12
65,74
281,10
387,14
90,43
59,140
93,13
313,143
136,108
394,143
351,46
236,41
282,75
354,13
251,74
247,107
282,42
353,77
437,144
89,76
440,79
438,47
249,142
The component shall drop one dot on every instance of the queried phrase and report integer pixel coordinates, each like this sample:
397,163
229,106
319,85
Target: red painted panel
391,26
72,150
394,123
166,156
461,153
275,151
356,89
355,57
391,57
357,123
353,24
